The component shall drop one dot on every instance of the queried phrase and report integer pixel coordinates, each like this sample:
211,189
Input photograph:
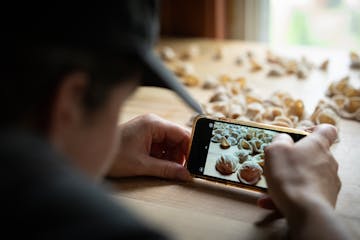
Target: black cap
115,26
140,29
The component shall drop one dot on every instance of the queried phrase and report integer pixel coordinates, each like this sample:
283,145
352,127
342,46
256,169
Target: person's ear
67,109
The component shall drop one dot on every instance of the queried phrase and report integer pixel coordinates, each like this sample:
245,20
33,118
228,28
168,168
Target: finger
283,138
278,146
324,135
269,218
174,139
276,152
163,130
266,203
163,151
165,169
327,132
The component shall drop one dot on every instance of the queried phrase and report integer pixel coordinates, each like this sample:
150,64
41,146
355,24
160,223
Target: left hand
151,146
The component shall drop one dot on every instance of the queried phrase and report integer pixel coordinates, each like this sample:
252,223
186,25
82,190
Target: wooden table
203,210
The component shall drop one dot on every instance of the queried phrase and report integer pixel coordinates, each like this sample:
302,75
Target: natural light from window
324,23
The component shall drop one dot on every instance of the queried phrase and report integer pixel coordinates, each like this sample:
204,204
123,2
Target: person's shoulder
43,193
24,154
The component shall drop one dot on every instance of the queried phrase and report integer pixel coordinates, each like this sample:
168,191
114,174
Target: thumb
166,169
328,133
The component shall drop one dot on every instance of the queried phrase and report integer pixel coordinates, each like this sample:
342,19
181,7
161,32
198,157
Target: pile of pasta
281,66
344,99
273,64
232,99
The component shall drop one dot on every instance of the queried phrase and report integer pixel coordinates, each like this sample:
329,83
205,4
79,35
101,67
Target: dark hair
30,79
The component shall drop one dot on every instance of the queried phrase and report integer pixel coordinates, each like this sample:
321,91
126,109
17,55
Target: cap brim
159,72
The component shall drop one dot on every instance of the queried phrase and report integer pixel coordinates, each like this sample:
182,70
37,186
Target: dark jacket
43,197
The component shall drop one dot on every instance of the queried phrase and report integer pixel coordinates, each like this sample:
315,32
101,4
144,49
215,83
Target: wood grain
203,210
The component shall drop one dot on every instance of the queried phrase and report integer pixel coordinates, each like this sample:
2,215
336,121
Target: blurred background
321,23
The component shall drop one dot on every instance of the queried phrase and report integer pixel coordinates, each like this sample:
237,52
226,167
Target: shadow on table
223,191
136,184
202,195
132,184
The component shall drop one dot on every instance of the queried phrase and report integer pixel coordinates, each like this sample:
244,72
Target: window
325,23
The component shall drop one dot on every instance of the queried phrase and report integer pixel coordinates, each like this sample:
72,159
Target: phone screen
231,153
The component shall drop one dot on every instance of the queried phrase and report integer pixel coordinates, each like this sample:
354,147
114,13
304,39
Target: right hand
301,176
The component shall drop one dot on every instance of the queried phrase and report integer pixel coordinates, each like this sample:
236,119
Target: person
66,71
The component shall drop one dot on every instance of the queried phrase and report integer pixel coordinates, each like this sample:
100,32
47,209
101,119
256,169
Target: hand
152,146
301,176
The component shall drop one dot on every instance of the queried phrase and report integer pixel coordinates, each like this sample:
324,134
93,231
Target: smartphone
232,152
